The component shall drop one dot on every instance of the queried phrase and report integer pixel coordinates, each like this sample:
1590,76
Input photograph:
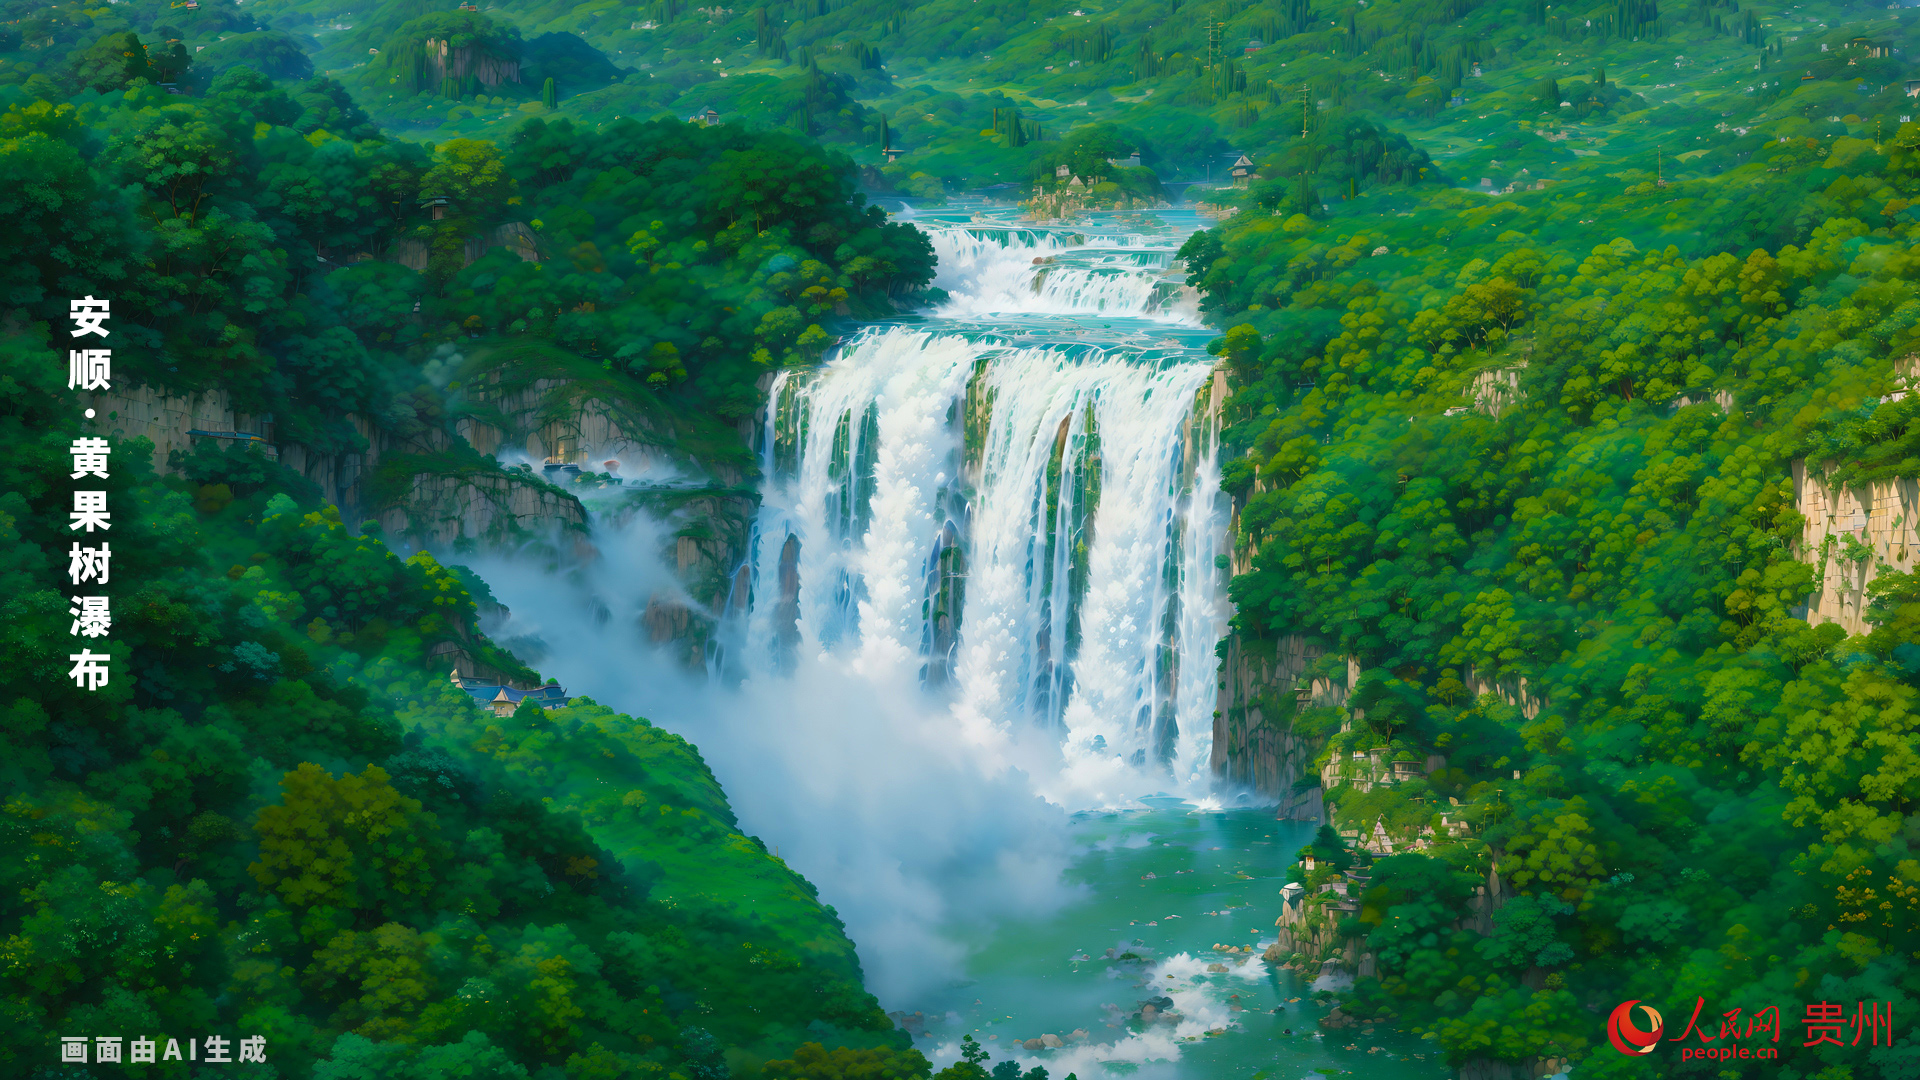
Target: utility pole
1306,107
1659,168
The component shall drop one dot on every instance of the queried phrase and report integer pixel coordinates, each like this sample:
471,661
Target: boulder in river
1216,968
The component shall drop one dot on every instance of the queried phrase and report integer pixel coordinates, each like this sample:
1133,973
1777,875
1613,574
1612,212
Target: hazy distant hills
969,92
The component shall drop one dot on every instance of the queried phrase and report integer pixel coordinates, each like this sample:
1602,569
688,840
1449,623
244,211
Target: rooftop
504,698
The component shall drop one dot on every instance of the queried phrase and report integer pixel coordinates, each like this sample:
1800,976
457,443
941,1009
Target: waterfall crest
988,272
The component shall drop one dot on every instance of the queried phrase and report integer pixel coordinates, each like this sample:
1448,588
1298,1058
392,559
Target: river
1170,884
972,696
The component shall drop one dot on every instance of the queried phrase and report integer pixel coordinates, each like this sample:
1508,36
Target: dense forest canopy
1197,83
1529,461
280,818
238,232
967,94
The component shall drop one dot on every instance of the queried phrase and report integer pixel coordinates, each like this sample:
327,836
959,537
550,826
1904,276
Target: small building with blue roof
503,698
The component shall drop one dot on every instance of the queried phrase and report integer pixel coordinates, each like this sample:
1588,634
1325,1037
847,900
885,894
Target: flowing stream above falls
1017,496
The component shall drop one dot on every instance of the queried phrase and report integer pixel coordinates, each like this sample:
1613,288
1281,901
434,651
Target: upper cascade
1019,271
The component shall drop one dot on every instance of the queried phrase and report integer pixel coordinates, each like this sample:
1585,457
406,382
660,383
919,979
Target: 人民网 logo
1629,1039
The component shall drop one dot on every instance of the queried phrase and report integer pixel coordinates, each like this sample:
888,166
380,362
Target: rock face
708,551
1336,1020
1486,900
1308,938
444,59
582,424
459,510
456,507
1253,738
515,236
1849,535
165,420
443,487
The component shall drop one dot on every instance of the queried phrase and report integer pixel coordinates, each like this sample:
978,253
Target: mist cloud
911,825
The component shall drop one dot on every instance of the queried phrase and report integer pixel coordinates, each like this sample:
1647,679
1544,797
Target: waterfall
1030,531
982,591
988,272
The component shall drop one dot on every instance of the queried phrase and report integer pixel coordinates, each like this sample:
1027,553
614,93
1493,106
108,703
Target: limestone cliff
708,548
1849,534
417,490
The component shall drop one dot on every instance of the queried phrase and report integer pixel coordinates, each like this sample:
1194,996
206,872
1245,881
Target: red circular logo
1631,1040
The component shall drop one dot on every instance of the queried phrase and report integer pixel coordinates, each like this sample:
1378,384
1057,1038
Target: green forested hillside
237,233
1544,442
279,818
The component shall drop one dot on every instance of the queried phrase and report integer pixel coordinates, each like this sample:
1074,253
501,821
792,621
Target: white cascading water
1032,529
1024,271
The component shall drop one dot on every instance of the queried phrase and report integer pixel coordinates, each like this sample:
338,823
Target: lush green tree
972,1063
287,820
112,62
270,52
344,851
